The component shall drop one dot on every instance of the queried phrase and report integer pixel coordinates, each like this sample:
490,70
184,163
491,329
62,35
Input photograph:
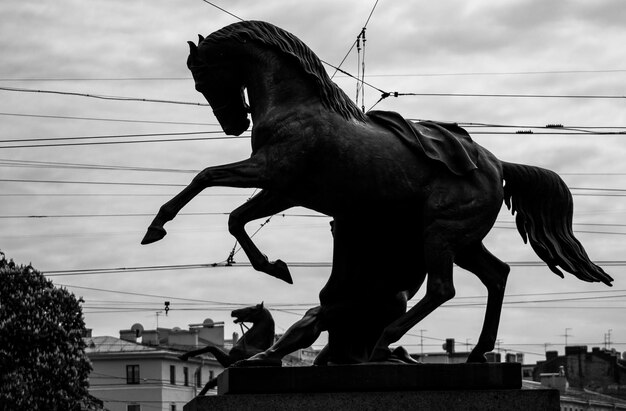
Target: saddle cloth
443,142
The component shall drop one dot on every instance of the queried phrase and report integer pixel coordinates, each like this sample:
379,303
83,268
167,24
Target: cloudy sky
78,205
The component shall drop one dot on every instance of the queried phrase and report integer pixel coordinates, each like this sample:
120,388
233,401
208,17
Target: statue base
445,387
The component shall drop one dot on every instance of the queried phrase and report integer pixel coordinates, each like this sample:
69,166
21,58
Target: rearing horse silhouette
313,147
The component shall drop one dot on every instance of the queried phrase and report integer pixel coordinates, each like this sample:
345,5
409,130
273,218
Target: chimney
449,346
150,337
558,381
552,355
576,350
128,335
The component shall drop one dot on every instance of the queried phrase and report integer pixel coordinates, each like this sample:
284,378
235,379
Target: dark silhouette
313,147
257,339
356,305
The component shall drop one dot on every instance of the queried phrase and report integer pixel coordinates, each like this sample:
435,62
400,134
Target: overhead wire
148,184
355,42
101,96
109,136
118,120
85,166
170,78
225,264
102,143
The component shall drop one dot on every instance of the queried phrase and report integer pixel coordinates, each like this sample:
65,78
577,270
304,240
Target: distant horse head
252,314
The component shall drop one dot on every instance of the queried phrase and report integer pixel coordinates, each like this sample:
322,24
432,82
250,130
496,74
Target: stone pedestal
445,387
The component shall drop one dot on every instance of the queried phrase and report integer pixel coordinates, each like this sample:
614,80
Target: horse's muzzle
236,129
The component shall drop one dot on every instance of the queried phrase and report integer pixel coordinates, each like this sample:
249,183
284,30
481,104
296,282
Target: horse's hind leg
493,273
262,205
439,261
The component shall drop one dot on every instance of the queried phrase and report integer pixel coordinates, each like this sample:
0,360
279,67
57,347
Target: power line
37,79
167,297
99,143
102,97
355,41
501,73
6,180
56,164
51,164
119,120
246,136
186,133
41,216
169,78
224,10
112,195
573,96
310,264
584,129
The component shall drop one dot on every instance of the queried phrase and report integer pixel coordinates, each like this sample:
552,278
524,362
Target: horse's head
218,78
250,314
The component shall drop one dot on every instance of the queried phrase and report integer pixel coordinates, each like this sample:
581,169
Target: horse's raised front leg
246,173
493,273
262,205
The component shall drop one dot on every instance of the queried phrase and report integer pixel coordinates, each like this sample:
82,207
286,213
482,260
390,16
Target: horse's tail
544,207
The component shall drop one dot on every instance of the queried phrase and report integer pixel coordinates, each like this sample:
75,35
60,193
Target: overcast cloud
138,49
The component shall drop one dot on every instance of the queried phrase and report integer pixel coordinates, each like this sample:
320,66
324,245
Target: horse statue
256,339
313,147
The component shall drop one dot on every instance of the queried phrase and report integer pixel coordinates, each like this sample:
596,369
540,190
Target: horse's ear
193,49
193,54
262,304
200,38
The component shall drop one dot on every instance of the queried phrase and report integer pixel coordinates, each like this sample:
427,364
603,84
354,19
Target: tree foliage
43,365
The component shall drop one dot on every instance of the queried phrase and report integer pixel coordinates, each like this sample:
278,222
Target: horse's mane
267,34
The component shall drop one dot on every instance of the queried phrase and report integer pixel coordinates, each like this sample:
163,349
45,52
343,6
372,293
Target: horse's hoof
154,233
477,358
401,355
281,271
380,354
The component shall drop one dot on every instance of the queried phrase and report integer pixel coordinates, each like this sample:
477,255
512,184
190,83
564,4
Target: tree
43,365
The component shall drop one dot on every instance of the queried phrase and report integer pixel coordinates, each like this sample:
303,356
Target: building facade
141,371
599,370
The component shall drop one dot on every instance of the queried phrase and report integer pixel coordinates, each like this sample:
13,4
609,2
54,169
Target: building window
172,374
133,407
186,376
211,374
199,377
172,407
132,374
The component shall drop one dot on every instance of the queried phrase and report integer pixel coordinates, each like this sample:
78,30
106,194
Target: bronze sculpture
312,147
257,339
